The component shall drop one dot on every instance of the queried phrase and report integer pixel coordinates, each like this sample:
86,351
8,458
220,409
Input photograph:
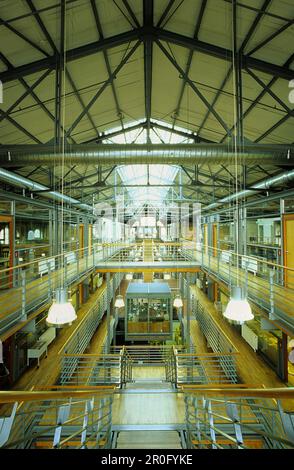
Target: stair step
147,385
148,440
153,446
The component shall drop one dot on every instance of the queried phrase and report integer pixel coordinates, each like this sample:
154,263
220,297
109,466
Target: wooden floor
251,368
148,256
197,337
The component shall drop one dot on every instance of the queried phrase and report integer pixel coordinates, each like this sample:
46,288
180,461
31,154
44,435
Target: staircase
148,440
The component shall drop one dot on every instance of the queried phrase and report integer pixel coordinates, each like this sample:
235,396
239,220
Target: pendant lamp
119,302
61,313
178,302
238,309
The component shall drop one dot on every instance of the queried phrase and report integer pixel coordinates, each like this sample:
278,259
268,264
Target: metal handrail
91,415
210,417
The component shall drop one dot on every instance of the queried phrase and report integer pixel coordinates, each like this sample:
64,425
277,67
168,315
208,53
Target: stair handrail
239,390
38,395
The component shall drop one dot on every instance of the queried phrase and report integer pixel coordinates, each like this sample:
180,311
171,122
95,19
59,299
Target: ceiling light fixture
61,313
178,302
238,309
119,302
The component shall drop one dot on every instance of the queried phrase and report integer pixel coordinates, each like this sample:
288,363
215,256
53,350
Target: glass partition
149,314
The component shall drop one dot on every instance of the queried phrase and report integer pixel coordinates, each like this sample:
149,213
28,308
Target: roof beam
34,96
239,59
20,128
45,32
139,33
260,96
270,92
71,55
110,135
189,61
165,13
274,127
187,135
24,95
131,13
102,88
193,86
222,53
106,59
153,125
271,37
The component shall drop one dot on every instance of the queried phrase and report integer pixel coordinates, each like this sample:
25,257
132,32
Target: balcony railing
270,286
29,286
96,369
56,419
238,418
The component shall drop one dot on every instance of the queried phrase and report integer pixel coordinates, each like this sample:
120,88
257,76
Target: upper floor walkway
29,287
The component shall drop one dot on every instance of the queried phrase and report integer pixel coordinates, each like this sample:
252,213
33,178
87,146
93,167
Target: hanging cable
234,40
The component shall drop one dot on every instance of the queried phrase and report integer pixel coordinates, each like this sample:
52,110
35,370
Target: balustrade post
78,262
49,281
65,267
87,258
272,302
23,295
218,260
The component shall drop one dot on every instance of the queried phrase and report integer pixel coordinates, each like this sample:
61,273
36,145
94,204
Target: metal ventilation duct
22,182
130,154
285,177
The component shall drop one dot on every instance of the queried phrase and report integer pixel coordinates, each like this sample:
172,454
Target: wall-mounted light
129,276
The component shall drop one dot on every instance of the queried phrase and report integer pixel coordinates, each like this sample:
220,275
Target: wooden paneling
205,238
214,239
288,238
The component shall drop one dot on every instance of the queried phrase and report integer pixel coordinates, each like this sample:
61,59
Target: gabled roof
149,65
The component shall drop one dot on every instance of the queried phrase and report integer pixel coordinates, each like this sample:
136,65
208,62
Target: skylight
138,175
143,175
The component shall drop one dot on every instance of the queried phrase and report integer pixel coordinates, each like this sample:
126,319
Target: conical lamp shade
178,302
238,309
61,313
119,302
